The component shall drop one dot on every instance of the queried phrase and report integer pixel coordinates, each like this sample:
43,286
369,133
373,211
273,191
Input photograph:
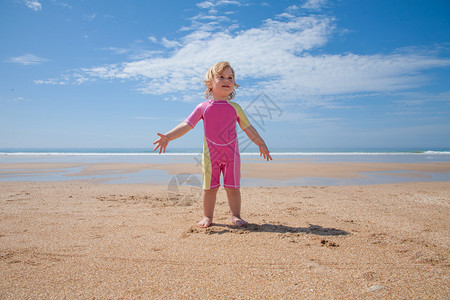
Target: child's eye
230,78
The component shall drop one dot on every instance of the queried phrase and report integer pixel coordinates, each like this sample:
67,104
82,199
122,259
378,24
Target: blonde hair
215,70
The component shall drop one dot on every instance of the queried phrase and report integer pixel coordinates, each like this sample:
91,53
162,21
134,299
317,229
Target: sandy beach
88,239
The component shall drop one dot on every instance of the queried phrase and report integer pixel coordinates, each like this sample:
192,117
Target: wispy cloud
72,77
315,5
33,4
278,57
153,39
211,4
90,17
18,99
60,3
133,53
169,44
27,59
116,50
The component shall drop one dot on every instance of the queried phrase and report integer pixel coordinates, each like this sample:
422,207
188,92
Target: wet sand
272,170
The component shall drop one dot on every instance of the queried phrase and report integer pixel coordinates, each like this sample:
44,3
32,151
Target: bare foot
205,222
238,221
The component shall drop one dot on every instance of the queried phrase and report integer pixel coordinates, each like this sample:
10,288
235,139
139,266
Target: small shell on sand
375,288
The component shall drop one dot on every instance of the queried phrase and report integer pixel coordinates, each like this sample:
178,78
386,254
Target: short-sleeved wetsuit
220,144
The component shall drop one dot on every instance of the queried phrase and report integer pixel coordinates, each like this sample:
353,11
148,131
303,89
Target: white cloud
27,59
277,58
18,99
210,19
144,54
314,5
132,53
153,39
421,98
255,52
72,78
205,4
169,44
33,4
63,4
211,4
116,50
90,17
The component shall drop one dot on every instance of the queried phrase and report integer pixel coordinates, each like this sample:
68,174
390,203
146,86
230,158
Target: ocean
192,155
441,152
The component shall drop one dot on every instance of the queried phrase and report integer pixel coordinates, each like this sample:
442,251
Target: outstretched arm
256,138
175,133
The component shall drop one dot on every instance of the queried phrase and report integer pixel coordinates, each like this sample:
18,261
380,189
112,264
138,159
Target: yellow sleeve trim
243,121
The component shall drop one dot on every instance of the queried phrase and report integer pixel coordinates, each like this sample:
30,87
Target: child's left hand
263,151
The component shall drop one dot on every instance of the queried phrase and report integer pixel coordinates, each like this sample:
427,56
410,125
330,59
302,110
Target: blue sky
313,74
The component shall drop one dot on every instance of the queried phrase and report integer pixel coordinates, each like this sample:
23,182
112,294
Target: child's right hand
161,143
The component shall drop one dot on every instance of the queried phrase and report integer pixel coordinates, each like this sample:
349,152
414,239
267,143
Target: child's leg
209,202
234,201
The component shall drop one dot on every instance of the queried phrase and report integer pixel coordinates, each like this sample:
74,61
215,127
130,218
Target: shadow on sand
312,229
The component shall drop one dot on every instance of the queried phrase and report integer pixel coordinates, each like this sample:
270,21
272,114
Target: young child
220,144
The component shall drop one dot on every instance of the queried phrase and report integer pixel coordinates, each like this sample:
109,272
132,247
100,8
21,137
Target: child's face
222,85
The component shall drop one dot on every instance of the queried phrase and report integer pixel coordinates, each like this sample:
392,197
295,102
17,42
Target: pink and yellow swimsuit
220,144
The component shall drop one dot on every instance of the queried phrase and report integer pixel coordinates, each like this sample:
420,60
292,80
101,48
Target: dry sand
86,240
